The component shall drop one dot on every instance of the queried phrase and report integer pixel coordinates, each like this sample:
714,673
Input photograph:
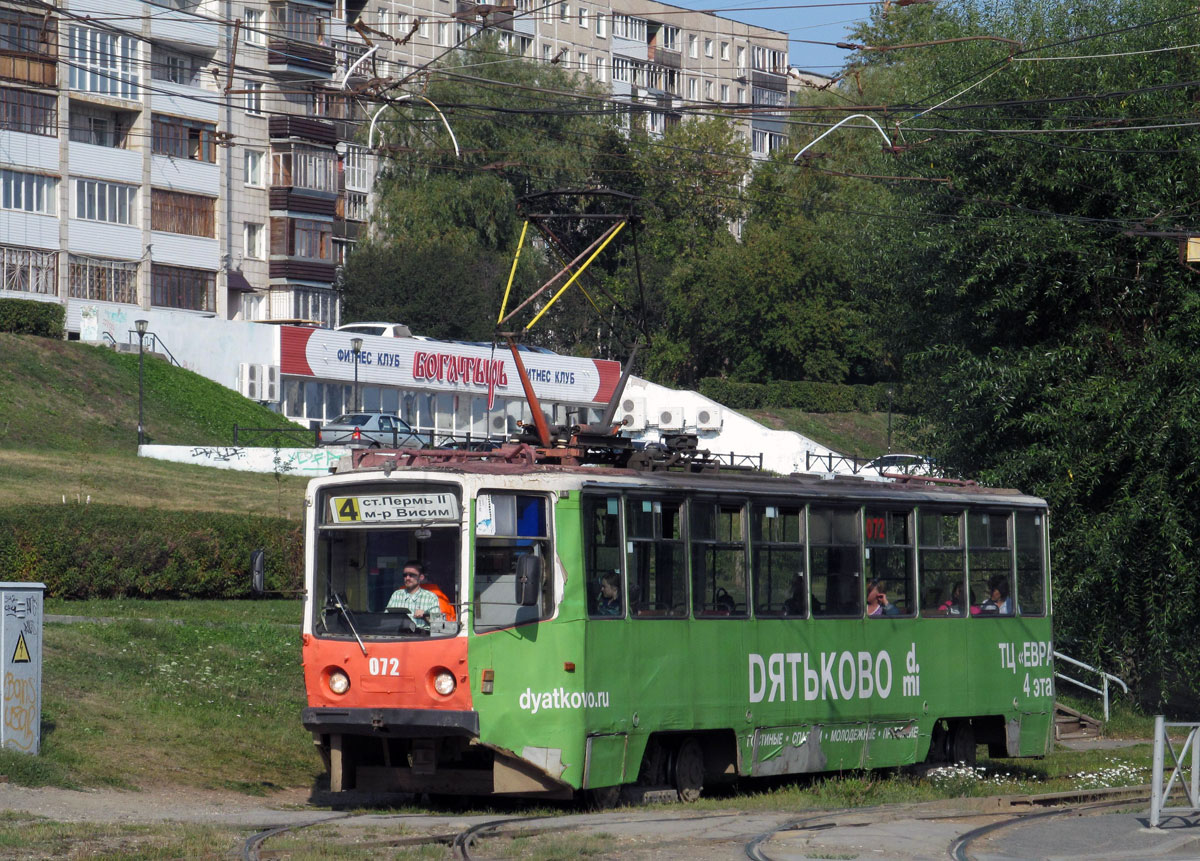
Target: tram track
464,841
958,850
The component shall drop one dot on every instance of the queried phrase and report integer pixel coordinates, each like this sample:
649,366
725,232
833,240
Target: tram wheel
688,771
604,798
962,743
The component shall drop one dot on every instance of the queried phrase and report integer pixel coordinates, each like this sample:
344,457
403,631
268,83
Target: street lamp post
141,333
356,347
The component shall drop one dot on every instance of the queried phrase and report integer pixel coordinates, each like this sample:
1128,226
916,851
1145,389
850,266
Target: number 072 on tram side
593,628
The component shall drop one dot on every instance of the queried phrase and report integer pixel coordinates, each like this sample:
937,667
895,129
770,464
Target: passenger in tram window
419,602
877,601
608,602
954,607
998,602
797,604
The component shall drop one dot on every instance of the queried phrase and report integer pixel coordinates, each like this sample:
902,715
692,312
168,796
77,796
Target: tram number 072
1038,687
391,667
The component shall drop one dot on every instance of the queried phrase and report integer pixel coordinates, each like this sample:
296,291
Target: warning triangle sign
21,652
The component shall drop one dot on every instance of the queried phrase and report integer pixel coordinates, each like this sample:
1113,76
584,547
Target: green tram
601,627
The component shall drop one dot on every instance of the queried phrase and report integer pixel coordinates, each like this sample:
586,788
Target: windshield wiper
337,600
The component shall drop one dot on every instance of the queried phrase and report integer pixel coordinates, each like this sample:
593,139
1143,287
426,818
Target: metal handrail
1191,789
1105,678
156,345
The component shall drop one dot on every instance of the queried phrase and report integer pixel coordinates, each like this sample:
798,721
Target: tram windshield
369,541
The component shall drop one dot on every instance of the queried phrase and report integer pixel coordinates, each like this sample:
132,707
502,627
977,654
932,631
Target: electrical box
21,663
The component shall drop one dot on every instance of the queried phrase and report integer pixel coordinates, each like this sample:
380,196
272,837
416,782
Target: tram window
835,559
602,556
889,555
780,587
718,559
990,559
509,526
1031,563
939,536
655,558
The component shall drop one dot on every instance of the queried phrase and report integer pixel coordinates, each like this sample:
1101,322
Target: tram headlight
339,682
443,683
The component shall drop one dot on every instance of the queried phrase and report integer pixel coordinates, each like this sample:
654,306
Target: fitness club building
439,387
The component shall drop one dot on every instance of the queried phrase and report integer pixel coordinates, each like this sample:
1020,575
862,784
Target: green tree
1047,331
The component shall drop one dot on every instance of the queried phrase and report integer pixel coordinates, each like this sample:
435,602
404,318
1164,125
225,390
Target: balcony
28,49
298,46
304,128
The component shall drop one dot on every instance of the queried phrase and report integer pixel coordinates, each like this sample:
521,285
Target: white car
386,330
903,464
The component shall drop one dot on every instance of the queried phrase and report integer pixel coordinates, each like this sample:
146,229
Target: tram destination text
395,508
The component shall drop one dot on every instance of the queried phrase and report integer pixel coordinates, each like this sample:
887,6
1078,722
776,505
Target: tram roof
748,482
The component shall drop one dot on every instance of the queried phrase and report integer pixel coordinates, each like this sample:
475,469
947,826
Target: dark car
369,430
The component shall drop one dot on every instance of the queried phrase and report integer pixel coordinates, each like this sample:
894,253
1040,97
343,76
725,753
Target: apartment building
199,158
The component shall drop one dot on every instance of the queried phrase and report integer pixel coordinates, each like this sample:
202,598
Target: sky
815,20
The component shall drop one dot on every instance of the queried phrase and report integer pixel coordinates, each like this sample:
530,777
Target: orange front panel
391,675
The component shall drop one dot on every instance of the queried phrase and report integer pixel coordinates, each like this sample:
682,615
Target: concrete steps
1069,723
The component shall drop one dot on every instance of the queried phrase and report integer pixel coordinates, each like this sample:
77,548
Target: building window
583,64
357,165
27,34
741,95
304,166
27,192
724,92
254,91
443,35
176,287
253,21
708,89
693,52
601,25
176,212
299,23
766,60
27,270
102,62
670,38
547,51
99,127
601,69
181,138
302,237
693,89
254,240
24,111
174,67
741,60
356,210
724,50
253,164
110,202
100,279
564,12
628,27
583,17
319,305
708,47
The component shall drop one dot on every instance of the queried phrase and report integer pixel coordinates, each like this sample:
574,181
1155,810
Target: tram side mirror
258,571
529,580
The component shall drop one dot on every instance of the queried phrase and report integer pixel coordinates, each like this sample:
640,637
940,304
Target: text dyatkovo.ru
533,701
793,676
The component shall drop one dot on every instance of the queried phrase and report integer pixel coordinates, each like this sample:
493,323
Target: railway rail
1002,812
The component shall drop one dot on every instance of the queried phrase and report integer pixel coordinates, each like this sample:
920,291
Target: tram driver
419,602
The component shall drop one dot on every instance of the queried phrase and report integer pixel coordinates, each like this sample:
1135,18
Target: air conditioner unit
268,389
709,418
249,380
669,418
631,414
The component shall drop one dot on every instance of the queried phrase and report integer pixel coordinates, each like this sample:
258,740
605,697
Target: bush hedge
27,317
108,551
802,395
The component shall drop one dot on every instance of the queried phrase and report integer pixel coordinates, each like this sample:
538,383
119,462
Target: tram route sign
398,508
